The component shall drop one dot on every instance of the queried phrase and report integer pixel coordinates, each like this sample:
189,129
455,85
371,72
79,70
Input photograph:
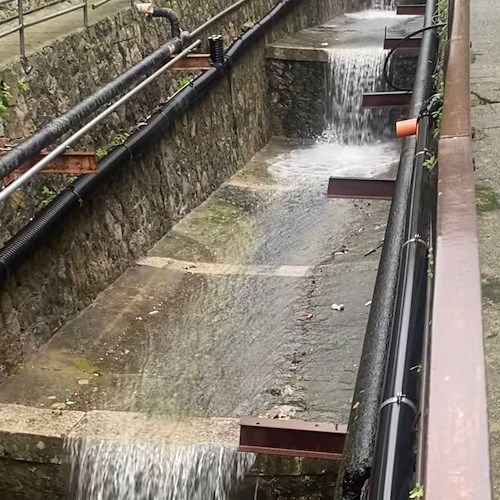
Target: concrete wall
136,207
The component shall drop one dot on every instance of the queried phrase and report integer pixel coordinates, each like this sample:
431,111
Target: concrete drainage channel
254,304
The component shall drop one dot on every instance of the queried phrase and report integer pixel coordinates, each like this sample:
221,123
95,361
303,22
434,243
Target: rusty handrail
456,419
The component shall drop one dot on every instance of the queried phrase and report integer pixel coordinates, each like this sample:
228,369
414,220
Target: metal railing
456,464
22,25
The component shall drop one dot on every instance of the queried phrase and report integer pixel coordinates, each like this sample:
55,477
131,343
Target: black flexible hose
175,29
30,237
398,46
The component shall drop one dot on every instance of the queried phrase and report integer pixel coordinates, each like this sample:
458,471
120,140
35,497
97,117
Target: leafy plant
4,111
417,491
5,97
117,140
152,27
47,195
23,85
183,81
100,153
430,162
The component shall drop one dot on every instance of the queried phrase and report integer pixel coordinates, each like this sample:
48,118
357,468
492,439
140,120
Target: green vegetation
23,85
430,162
417,491
183,81
5,97
153,28
47,195
116,140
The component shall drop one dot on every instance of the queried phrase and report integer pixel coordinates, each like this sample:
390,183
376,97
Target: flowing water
351,145
350,73
109,470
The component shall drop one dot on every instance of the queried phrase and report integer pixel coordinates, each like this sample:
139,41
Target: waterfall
116,470
350,73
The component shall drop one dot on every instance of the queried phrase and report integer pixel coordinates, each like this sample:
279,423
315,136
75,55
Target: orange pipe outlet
406,128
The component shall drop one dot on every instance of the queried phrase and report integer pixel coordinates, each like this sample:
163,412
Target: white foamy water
314,164
350,73
113,470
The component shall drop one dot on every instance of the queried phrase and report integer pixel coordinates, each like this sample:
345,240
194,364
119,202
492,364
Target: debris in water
51,397
83,381
288,390
283,412
58,406
309,316
373,250
338,307
369,303
355,405
154,311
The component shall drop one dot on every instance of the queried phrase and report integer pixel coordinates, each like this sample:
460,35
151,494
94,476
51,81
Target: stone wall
128,214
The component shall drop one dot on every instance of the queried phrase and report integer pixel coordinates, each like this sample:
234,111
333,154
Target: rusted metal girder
386,99
400,42
192,62
410,10
75,163
295,438
355,188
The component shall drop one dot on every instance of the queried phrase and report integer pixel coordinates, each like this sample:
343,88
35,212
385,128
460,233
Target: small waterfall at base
113,470
350,73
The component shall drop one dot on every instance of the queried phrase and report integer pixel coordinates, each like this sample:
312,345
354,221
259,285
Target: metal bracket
410,10
386,99
192,62
399,399
352,188
295,438
75,163
401,43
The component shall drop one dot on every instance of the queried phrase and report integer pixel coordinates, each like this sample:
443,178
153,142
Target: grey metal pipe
27,176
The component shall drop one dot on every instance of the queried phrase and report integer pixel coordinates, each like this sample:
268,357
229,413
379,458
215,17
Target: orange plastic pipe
406,128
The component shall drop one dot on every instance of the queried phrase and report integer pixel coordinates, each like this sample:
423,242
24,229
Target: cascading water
113,470
350,73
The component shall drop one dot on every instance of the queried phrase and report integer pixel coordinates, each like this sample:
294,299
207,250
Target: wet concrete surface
350,31
251,329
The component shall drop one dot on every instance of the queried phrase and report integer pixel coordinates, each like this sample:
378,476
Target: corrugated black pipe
60,125
175,29
28,239
360,440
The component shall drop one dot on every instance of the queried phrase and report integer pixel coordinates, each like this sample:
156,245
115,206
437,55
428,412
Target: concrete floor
231,313
485,78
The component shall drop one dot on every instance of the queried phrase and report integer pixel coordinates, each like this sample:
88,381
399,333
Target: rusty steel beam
354,188
386,99
192,62
75,163
408,43
457,461
410,10
294,438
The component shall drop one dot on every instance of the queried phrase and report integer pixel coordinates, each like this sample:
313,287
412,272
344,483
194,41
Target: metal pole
27,176
206,24
22,45
86,13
